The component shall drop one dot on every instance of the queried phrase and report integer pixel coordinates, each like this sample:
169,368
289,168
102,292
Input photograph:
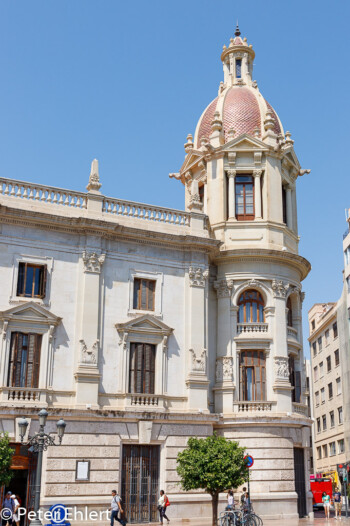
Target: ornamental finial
237,32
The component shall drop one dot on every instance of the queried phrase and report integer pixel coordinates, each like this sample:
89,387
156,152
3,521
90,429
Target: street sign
249,461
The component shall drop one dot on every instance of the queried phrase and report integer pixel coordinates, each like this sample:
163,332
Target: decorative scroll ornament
281,368
89,356
279,288
223,288
224,369
93,262
198,361
198,276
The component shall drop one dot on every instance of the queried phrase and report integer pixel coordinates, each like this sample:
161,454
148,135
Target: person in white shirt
15,517
162,505
116,508
230,501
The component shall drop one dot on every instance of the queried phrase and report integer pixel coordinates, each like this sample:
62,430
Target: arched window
289,313
251,307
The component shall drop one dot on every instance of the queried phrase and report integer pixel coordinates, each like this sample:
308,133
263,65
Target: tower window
238,68
284,205
251,307
289,313
244,190
252,376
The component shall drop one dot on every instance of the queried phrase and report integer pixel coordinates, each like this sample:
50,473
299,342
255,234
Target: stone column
289,207
87,375
231,174
281,386
197,359
224,384
257,193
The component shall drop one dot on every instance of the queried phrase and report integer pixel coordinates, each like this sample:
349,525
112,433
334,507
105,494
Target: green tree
213,464
6,453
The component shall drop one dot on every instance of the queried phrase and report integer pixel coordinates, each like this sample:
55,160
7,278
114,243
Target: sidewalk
281,522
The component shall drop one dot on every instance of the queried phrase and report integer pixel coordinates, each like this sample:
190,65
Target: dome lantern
237,61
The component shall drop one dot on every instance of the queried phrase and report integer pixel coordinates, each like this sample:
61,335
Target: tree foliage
6,453
213,464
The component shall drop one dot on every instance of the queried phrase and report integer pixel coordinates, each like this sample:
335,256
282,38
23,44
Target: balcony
144,401
301,409
258,328
253,407
22,396
292,333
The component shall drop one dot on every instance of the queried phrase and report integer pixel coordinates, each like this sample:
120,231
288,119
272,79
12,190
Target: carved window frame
158,277
36,261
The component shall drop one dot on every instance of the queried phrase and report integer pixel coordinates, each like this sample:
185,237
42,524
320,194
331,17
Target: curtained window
24,360
142,368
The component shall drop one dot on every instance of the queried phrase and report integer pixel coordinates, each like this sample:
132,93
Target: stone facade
221,361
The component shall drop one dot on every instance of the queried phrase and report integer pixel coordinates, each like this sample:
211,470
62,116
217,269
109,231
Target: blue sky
126,82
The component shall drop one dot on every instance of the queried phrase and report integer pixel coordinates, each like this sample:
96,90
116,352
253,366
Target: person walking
163,503
326,504
230,501
116,508
337,503
15,517
243,497
7,510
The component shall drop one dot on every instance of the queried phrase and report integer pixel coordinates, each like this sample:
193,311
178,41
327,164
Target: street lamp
40,442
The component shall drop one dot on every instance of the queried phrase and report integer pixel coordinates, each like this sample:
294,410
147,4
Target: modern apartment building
326,369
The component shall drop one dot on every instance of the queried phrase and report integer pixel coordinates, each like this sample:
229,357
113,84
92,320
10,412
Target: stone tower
241,170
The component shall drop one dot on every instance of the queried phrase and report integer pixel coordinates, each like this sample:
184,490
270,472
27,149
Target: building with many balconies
143,326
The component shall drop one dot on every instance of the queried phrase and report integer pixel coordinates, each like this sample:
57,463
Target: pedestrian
243,497
7,510
163,503
246,504
337,503
15,517
326,504
230,501
116,508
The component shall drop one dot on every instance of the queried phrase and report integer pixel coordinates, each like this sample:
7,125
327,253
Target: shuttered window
295,380
142,368
31,280
24,360
252,376
144,294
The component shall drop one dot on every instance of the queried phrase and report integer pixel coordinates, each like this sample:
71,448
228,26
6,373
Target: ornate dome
239,106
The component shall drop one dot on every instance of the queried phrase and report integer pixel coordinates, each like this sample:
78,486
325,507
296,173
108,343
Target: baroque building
143,326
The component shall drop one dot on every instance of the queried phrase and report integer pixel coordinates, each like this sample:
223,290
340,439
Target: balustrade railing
252,407
146,212
41,193
251,327
292,333
301,409
144,400
20,394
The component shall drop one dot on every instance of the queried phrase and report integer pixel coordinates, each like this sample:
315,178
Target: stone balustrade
252,407
110,207
292,333
251,327
22,396
301,409
149,400
43,194
146,212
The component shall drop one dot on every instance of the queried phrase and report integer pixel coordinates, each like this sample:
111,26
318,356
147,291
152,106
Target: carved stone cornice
223,288
198,276
93,262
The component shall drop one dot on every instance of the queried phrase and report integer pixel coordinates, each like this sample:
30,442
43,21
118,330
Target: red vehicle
318,486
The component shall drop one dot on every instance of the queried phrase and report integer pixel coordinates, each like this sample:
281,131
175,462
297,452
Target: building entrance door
140,475
299,475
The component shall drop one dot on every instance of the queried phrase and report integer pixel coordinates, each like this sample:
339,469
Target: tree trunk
214,503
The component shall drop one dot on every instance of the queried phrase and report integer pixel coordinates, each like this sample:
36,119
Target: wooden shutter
20,279
137,287
151,289
13,358
16,382
34,351
149,368
43,280
132,369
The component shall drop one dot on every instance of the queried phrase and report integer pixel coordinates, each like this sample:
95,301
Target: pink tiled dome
243,110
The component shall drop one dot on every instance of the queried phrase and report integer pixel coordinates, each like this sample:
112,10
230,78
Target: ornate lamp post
40,442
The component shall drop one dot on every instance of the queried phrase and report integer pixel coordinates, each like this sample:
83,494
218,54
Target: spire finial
237,32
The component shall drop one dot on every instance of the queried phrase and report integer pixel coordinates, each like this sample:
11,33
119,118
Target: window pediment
30,312
146,324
